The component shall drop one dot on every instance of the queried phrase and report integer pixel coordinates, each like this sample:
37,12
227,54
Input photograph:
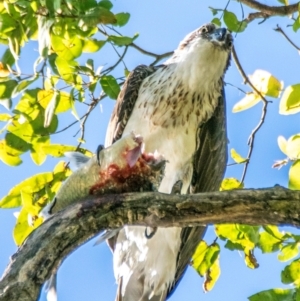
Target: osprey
178,108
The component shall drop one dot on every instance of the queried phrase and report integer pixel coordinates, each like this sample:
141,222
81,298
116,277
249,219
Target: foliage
65,31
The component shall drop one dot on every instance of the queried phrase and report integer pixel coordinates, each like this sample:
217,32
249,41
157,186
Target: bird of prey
178,107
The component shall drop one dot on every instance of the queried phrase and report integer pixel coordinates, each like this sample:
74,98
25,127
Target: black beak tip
221,33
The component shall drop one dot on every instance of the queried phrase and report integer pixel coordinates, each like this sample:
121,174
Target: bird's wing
122,112
125,102
209,167
211,156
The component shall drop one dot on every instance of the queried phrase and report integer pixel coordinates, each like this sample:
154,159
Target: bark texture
44,250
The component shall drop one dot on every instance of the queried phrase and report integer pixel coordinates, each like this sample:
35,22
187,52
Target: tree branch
279,29
44,250
283,10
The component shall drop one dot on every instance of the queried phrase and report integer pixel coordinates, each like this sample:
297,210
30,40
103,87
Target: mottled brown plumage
179,107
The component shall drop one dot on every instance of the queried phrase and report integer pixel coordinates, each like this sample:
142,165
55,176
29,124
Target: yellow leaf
266,83
237,157
3,71
294,176
290,100
293,147
250,100
212,276
230,184
26,223
282,143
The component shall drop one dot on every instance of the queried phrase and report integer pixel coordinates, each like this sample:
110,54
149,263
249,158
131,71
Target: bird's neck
200,67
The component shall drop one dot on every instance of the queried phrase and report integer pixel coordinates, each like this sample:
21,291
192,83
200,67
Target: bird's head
207,48
208,35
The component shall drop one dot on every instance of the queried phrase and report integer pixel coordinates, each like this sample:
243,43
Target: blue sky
87,273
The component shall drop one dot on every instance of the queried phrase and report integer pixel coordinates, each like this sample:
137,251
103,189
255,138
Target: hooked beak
219,34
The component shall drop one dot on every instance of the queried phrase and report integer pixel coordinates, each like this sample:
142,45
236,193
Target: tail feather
51,288
135,291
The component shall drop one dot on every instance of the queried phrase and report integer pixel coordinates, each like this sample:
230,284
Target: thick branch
47,246
283,10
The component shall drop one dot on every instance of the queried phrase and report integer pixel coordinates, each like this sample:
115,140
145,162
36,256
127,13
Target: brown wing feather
209,168
125,102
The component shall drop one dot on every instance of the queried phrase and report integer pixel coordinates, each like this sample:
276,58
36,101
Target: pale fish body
122,167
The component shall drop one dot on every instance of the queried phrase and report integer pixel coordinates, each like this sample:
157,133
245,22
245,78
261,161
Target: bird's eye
204,29
229,43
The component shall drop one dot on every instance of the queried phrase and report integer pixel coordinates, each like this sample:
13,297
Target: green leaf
7,23
22,85
208,256
92,45
8,58
230,184
233,23
105,4
214,11
121,40
288,252
276,294
237,157
37,153
30,185
294,176
273,230
290,100
23,228
249,232
66,69
6,89
291,273
9,159
122,18
199,254
68,47
296,24
268,243
216,21
58,150
15,145
97,15
110,86
242,236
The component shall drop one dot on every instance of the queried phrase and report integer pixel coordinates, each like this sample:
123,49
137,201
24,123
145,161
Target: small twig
68,126
109,69
157,57
257,15
279,29
243,74
252,138
85,117
224,9
232,164
241,90
263,115
161,56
